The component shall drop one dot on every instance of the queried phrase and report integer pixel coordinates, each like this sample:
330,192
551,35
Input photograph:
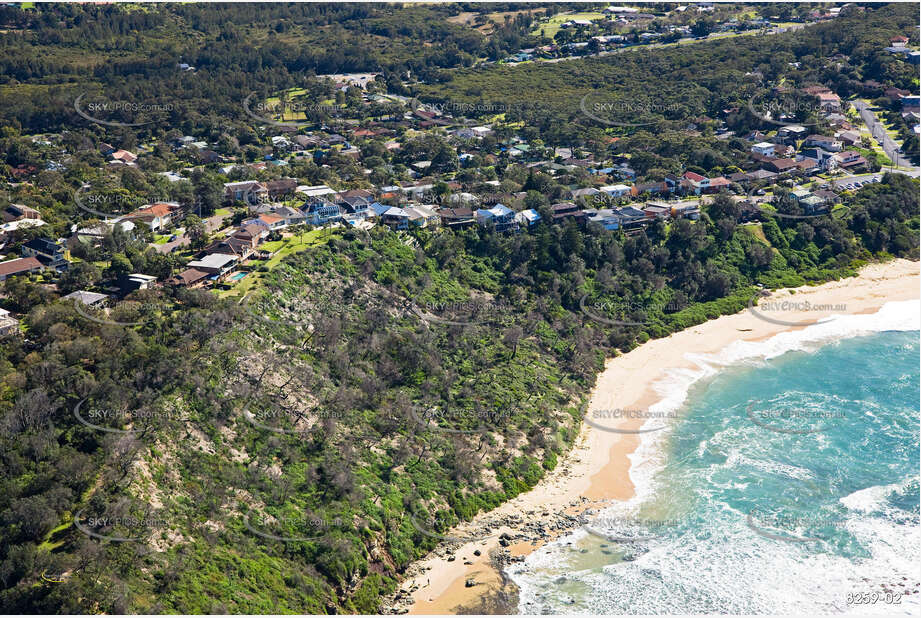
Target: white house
616,190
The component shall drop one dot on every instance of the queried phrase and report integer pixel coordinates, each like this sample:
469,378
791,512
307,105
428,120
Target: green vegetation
369,350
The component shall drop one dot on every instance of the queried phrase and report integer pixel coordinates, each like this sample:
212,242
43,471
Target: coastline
453,579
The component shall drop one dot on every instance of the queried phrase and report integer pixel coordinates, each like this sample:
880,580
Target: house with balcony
46,251
499,215
318,211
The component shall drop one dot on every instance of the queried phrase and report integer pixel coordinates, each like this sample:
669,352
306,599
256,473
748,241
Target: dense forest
119,52
646,95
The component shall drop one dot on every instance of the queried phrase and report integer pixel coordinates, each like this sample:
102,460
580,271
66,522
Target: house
458,218
251,234
813,204
695,182
428,213
189,278
657,211
624,171
567,210
46,251
128,158
281,187
158,216
605,217
827,197
687,210
765,149
781,166
829,101
649,187
237,246
791,134
318,211
206,156
134,282
355,204
271,221
825,160
851,161
832,144
291,216
18,212
396,218
215,264
499,215
898,41
616,190
528,218
762,174
718,184
250,192
90,299
314,191
748,212
848,138
631,218
8,324
19,266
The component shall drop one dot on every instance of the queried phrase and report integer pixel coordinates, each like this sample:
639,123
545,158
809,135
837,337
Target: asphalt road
890,147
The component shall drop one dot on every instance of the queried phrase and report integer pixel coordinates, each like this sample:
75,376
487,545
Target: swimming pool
237,276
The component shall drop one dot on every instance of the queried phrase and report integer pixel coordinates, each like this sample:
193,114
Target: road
713,36
890,147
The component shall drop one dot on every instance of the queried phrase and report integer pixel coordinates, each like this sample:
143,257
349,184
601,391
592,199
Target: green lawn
284,248
552,26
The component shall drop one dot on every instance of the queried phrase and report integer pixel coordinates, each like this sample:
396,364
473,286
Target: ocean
788,483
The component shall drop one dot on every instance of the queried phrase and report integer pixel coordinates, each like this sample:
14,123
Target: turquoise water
790,484
237,276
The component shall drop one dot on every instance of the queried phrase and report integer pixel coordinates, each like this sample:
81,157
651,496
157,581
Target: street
890,147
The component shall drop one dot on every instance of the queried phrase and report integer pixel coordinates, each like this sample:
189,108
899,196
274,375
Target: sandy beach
597,470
